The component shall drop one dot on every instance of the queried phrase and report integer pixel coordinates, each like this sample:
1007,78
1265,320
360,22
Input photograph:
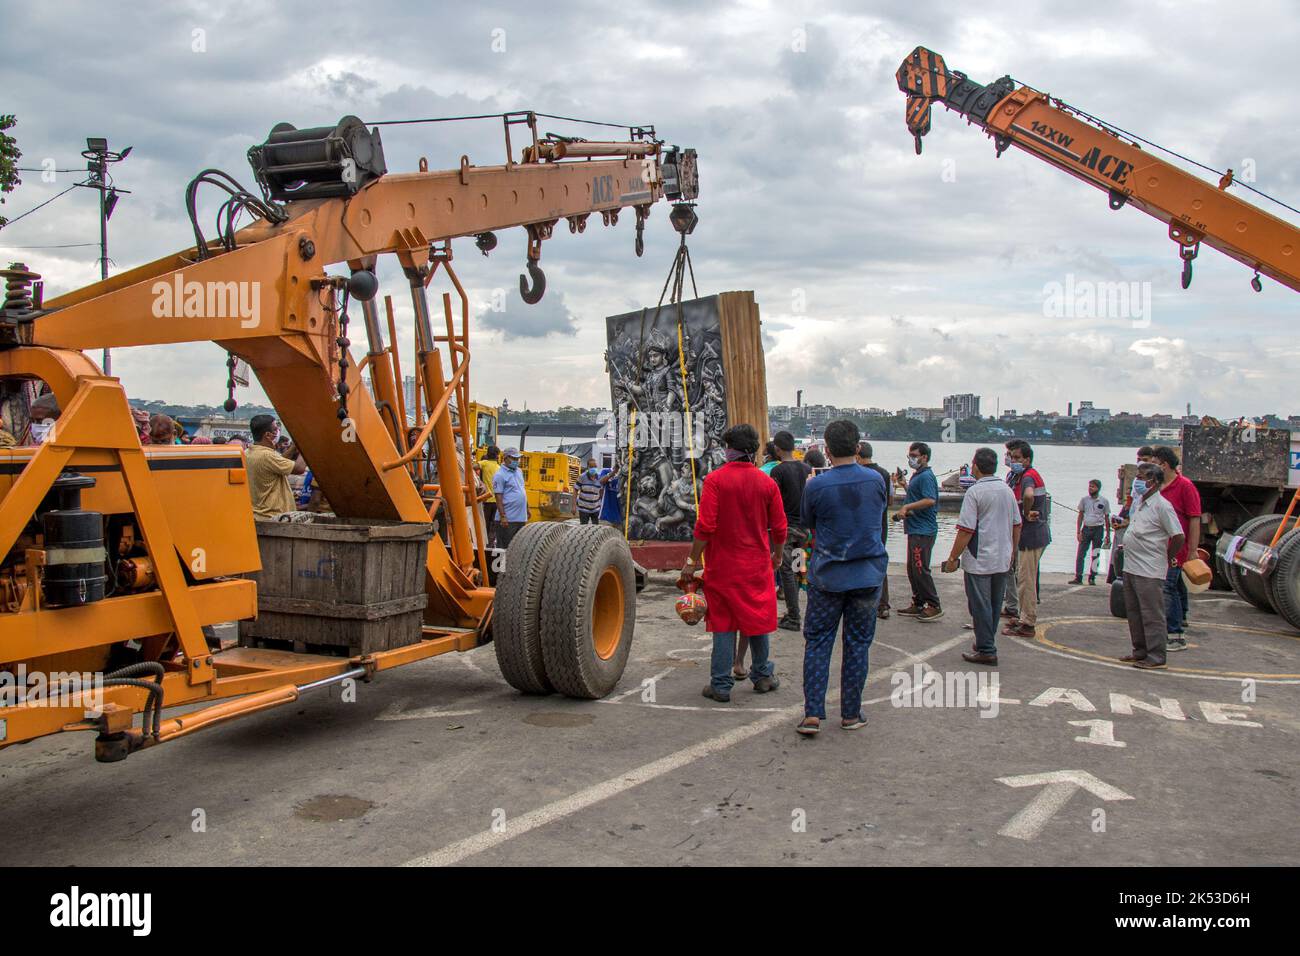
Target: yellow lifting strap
686,407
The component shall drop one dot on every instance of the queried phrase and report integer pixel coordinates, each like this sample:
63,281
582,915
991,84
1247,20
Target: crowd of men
755,522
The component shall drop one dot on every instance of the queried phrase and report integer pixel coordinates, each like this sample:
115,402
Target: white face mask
913,461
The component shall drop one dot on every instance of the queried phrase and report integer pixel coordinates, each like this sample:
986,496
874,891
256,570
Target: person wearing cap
591,493
512,497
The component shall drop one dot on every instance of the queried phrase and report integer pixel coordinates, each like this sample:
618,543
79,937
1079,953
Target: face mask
1017,466
591,472
1139,488
512,463
913,462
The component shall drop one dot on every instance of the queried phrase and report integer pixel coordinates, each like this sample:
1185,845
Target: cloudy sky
884,278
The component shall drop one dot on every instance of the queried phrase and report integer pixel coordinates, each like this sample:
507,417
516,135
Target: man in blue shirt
611,505
842,508
920,517
512,497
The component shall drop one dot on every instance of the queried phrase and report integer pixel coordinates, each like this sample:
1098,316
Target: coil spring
18,287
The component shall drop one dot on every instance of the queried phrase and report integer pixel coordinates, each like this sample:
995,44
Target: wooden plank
325,609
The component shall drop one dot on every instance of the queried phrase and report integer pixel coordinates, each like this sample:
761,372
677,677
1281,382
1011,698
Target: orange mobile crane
89,499
1106,157
1241,472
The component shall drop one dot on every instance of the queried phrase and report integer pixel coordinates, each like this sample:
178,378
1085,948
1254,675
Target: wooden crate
743,361
353,586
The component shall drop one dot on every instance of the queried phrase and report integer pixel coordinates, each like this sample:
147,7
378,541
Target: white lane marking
1058,787
712,710
889,646
567,806
397,711
1100,732
639,688
1028,642
473,665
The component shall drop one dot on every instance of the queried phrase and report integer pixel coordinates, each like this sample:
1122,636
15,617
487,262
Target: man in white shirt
1092,531
988,533
1152,539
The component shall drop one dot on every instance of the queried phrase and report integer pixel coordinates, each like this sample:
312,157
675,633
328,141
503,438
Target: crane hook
1256,284
534,295
1187,273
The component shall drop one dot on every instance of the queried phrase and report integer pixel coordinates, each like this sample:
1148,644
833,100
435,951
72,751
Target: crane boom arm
263,294
1194,210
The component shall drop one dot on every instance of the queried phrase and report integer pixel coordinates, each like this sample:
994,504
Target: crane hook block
534,295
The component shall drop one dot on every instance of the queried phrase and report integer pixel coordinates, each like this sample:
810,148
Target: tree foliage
9,154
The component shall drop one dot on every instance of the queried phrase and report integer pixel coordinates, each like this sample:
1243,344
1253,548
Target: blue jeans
821,625
984,594
1175,601
724,656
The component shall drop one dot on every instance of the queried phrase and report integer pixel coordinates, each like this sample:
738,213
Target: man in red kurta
739,532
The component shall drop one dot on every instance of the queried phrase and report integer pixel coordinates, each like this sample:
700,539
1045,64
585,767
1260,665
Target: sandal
854,723
740,675
809,727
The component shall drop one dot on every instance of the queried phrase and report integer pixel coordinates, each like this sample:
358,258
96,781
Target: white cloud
915,284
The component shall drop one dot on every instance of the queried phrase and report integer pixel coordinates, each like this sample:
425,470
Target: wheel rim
607,613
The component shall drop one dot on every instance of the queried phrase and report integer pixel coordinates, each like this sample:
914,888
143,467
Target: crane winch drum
318,163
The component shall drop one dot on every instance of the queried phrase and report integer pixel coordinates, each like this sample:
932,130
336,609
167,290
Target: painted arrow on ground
1058,787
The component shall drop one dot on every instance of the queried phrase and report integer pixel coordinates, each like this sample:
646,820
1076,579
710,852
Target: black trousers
490,523
588,517
924,592
506,532
1091,541
795,539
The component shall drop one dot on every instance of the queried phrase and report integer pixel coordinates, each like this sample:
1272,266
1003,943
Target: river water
1065,468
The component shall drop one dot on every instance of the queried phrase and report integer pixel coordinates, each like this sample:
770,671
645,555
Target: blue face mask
1139,488
591,472
512,463
1017,466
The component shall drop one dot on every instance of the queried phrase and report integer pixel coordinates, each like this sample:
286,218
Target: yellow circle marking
1040,637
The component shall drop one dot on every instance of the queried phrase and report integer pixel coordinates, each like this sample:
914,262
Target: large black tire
1247,586
516,610
588,611
1284,582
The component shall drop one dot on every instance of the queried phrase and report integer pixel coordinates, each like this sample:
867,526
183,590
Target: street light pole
98,157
